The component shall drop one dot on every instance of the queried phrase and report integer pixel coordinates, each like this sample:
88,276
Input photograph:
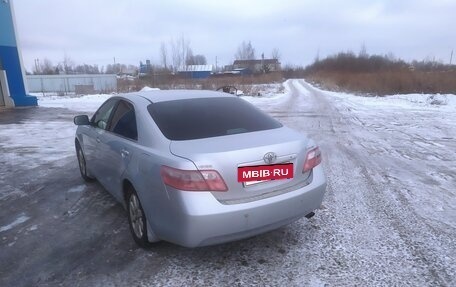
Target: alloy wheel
82,163
136,216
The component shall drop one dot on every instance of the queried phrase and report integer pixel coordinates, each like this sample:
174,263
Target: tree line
175,53
67,66
377,74
178,52
350,62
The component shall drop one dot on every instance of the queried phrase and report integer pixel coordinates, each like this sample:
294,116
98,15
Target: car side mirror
81,120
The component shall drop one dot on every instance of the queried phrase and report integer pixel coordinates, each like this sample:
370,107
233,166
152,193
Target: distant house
195,71
258,66
128,72
145,69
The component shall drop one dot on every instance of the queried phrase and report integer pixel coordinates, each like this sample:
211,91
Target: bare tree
175,57
37,67
275,54
200,60
363,52
67,64
196,59
184,48
179,49
132,69
390,56
189,58
245,51
86,69
317,56
115,68
47,68
164,55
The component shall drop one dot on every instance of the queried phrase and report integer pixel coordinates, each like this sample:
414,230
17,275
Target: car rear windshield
208,117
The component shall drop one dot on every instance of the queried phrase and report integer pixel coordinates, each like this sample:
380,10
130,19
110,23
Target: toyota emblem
270,157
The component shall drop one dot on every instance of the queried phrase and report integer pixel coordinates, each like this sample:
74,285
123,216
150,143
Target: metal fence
90,83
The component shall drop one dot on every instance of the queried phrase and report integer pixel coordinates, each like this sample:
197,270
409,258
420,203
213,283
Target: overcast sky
96,31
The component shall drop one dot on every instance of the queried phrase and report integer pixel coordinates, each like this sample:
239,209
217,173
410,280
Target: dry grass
380,75
387,82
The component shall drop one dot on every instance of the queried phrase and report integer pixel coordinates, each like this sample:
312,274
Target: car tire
82,164
137,219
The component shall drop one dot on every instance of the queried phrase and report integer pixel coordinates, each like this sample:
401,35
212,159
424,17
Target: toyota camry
198,168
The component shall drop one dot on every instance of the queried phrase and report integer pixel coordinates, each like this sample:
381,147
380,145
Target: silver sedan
198,168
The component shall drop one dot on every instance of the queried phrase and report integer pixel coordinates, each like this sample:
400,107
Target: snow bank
270,94
86,103
89,103
404,101
146,89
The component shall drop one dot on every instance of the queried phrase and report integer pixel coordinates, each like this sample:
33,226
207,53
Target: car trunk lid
226,154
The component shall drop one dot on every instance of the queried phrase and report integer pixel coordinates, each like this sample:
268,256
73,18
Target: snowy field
388,218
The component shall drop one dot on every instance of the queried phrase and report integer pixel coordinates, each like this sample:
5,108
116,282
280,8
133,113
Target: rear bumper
198,219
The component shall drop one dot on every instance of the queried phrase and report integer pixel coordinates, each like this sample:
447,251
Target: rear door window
123,121
208,117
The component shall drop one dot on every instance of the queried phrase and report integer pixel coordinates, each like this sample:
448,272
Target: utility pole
216,69
262,63
451,57
36,65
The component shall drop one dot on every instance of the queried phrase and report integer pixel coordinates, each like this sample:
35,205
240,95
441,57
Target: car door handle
98,140
124,152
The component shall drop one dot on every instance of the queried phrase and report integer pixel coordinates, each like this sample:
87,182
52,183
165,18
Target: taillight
193,180
313,158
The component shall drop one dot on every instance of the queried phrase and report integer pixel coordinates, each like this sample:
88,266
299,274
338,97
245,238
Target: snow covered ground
388,218
86,103
408,101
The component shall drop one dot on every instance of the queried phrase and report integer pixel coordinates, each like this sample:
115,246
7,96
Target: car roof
171,95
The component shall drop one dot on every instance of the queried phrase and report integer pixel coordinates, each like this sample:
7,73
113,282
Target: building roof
195,68
254,62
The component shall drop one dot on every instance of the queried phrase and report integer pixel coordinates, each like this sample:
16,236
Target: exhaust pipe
310,215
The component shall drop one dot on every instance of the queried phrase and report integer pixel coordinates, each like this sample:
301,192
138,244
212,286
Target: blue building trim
195,74
6,23
10,60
